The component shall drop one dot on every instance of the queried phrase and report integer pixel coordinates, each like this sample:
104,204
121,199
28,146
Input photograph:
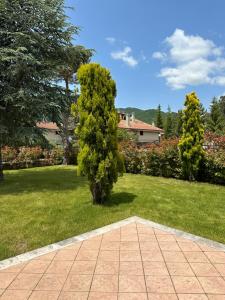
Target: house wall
52,137
148,137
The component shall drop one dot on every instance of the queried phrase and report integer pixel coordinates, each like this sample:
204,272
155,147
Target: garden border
59,245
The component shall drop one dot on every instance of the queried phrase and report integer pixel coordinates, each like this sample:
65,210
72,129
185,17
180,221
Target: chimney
133,117
127,120
153,123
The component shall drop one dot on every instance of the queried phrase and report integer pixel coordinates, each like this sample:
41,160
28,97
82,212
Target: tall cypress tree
169,124
99,157
159,120
191,142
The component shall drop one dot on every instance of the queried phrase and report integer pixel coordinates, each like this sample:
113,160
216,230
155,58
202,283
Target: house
51,132
145,132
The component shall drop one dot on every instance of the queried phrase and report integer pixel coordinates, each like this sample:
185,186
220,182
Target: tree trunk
64,130
97,193
1,166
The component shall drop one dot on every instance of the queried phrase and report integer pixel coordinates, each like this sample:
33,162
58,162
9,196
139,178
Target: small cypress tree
159,120
98,158
191,142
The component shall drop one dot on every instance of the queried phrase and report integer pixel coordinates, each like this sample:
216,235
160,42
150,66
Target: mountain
148,115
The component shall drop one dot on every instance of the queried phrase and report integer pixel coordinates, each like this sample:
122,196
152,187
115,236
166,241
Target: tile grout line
171,279
60,293
142,261
193,269
95,267
119,268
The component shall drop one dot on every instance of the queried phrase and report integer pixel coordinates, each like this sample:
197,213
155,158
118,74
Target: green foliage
216,120
179,123
98,158
33,34
156,160
71,59
159,119
191,142
26,157
169,125
222,105
125,135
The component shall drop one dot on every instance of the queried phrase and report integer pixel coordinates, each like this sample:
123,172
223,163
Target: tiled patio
132,262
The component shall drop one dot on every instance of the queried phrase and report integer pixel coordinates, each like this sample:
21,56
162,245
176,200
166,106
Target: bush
26,157
8,154
164,160
156,160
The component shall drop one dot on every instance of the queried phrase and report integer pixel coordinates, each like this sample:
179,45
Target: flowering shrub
8,154
25,157
156,160
29,153
164,160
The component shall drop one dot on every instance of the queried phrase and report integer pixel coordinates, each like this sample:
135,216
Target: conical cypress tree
191,142
159,120
169,125
98,158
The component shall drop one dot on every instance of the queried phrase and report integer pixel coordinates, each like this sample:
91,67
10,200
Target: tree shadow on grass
42,179
120,198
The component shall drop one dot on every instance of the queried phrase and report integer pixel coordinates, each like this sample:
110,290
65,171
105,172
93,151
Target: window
141,132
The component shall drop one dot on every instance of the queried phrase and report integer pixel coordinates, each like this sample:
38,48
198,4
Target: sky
156,50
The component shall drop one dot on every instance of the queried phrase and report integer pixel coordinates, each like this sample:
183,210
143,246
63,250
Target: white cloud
159,55
192,60
111,40
125,56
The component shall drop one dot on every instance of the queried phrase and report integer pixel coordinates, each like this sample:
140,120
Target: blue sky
156,50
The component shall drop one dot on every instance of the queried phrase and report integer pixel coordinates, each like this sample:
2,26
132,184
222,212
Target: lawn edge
61,244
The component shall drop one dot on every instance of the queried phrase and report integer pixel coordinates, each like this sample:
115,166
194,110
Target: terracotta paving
134,262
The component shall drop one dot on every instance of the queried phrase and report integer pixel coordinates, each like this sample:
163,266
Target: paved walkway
134,262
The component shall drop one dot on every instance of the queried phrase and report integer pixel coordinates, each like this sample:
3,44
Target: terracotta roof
138,125
133,125
47,125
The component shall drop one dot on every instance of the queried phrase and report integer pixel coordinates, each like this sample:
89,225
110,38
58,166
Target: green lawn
40,206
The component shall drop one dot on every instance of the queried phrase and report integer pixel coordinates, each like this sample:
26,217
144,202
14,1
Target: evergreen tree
33,34
169,125
222,105
72,57
159,120
191,142
216,122
179,123
98,158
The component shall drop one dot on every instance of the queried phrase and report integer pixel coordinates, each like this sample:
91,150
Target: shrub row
26,157
163,160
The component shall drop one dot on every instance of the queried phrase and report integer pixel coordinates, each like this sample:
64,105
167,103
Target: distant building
145,132
51,132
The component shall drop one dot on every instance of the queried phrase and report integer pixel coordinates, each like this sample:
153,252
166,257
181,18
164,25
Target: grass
40,206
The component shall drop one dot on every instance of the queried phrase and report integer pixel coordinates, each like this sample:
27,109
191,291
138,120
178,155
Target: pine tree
169,125
191,142
159,120
98,158
216,121
33,34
